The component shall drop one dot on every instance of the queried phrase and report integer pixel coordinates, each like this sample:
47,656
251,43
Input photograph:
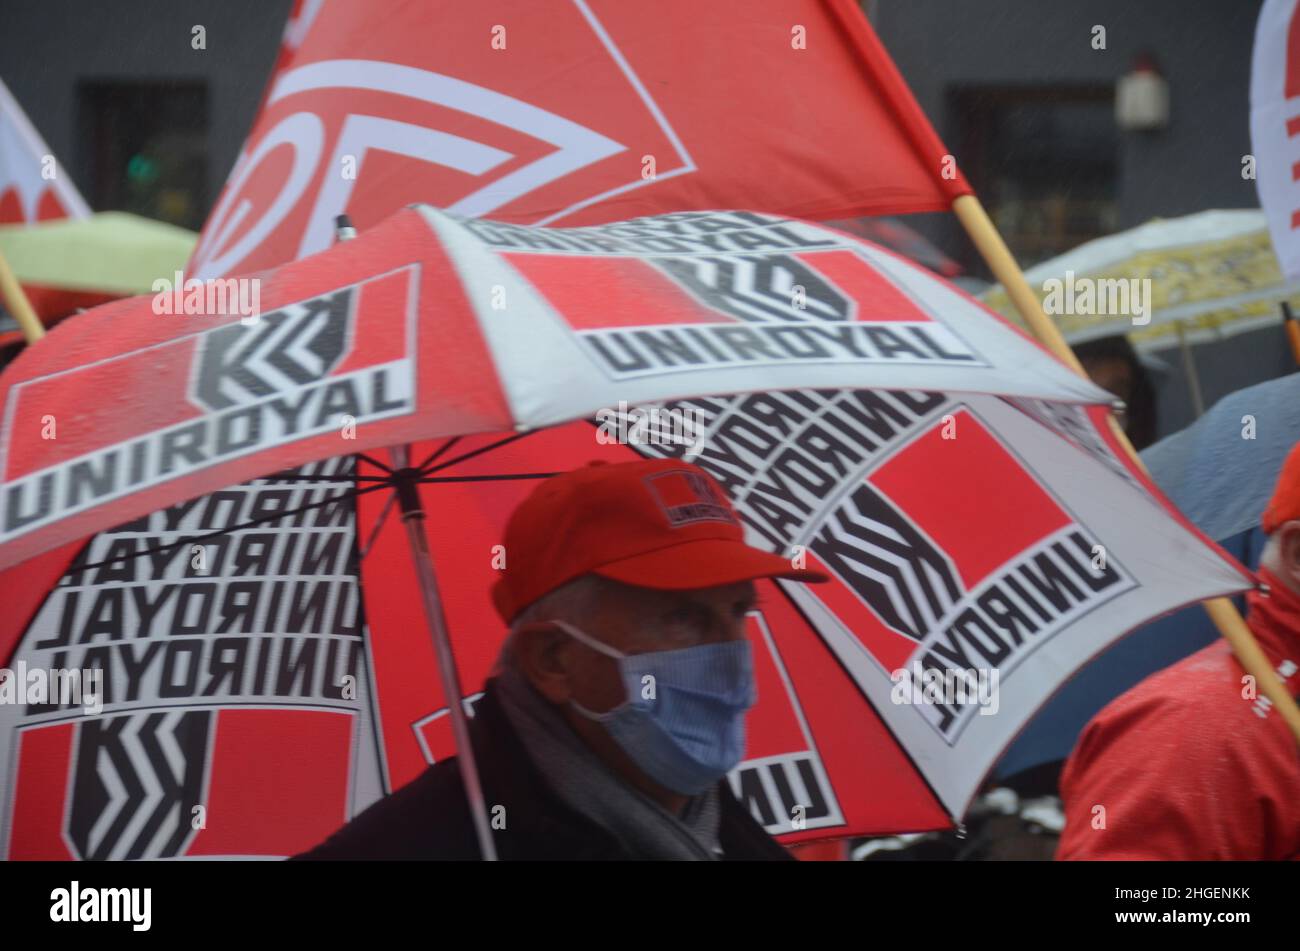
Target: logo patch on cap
687,497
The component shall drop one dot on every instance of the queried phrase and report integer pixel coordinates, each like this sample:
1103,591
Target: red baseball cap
655,523
1285,504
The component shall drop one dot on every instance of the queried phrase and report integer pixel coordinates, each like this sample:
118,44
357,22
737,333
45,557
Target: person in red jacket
1193,763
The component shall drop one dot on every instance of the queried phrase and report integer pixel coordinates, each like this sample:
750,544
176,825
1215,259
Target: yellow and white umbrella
50,268
1179,281
1212,274
111,252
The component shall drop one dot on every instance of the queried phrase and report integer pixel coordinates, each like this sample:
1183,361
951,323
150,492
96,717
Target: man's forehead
736,590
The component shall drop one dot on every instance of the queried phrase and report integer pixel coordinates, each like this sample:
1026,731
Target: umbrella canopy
894,234
265,648
1220,472
1212,274
436,325
112,252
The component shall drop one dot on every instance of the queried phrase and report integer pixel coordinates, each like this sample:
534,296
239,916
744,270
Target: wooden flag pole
1292,331
18,304
1222,611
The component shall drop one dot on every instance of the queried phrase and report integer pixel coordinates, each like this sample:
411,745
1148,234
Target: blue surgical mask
683,722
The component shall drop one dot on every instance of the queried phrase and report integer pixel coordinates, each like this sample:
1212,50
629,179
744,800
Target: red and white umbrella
958,483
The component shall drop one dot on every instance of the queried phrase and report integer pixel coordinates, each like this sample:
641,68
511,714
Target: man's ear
542,652
1288,536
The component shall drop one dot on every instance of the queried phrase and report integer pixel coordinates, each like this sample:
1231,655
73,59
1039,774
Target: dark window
1045,162
148,148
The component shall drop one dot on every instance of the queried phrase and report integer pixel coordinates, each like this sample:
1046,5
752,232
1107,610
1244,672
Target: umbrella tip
343,230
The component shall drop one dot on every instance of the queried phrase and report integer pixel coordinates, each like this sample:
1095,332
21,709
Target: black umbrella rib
477,452
379,524
433,456
339,480
252,523
375,462
379,482
504,477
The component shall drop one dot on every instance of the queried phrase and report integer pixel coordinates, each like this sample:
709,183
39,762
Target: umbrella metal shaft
413,518
1189,368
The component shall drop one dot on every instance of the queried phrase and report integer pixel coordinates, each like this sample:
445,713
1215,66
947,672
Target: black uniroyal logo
291,347
302,370
992,624
688,497
760,288
730,290
770,309
136,779
880,554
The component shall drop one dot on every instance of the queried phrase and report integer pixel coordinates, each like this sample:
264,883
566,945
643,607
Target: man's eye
688,621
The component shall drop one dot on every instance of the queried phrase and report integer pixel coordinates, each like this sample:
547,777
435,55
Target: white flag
33,186
1275,127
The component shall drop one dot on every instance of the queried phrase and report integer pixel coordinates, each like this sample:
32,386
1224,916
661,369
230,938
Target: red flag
573,113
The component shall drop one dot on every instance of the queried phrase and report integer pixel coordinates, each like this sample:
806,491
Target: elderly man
1190,763
618,704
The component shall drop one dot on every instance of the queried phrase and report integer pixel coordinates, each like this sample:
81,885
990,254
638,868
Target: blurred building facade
1021,93
146,113
1024,93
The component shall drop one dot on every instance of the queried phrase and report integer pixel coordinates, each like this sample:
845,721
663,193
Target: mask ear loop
587,639
597,646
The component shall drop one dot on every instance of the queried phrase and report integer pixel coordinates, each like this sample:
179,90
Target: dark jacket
429,818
